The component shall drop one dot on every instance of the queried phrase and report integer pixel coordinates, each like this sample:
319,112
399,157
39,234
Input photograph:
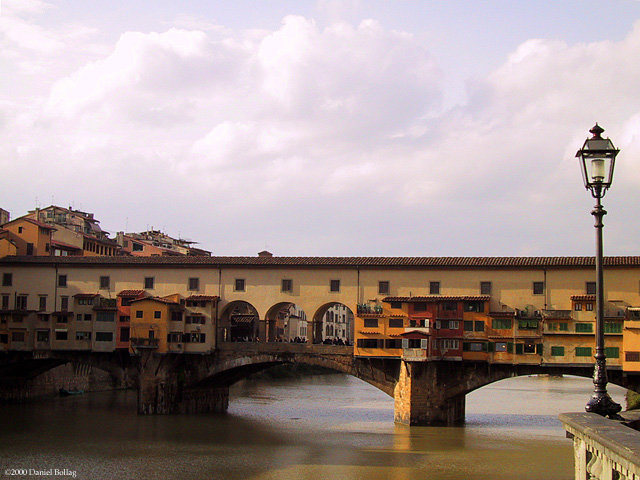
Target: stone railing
603,449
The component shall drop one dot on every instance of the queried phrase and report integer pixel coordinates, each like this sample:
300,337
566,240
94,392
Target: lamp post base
602,404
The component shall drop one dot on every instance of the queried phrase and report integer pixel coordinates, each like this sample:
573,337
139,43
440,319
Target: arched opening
333,324
286,322
239,322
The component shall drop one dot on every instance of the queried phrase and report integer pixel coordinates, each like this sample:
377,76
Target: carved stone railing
603,449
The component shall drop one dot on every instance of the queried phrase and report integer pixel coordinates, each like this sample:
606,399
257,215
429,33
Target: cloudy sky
341,128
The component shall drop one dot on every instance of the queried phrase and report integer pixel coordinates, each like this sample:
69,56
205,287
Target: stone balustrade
604,449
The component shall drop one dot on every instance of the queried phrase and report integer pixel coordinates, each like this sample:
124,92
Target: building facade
499,310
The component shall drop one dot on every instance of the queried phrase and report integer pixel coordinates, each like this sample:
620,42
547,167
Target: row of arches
332,323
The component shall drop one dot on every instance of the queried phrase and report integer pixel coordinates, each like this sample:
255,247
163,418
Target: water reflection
333,426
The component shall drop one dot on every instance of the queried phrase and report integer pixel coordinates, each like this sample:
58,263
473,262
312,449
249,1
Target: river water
331,427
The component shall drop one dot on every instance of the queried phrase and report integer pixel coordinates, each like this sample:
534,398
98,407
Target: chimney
264,253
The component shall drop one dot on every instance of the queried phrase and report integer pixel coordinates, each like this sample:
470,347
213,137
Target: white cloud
337,129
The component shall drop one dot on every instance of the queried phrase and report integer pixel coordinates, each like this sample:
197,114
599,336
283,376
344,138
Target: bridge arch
333,323
286,321
239,321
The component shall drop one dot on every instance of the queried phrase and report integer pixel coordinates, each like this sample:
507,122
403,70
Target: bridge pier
421,398
162,390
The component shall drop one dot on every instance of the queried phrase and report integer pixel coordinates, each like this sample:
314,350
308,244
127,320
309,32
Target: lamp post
597,159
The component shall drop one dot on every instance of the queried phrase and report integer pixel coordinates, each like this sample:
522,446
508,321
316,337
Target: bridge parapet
603,449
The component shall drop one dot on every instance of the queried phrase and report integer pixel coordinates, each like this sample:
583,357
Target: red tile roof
86,295
583,298
206,298
334,262
438,298
130,293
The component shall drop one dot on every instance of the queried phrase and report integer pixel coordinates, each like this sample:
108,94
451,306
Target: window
334,285
370,343
139,313
591,288
371,323
149,282
29,248
21,302
449,306
474,306
18,336
105,282
588,307
194,284
396,305
613,327
449,324
43,303
577,307
104,336
479,325
584,327
434,288
612,352
42,335
501,324
176,316
393,343
61,335
137,247
62,281
124,334
527,324
287,285
79,317
194,337
61,318
501,347
538,288
557,351
7,279
420,307
87,317
468,325
105,317
157,314
563,327
126,301
83,335
527,348
125,318
396,322
583,351
449,344
174,337
383,287
485,288
474,347
5,302
239,285
195,319
632,356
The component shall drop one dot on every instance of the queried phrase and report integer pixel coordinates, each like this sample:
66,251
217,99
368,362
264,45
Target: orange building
25,236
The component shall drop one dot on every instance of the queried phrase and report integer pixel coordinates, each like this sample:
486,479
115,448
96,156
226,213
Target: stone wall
68,376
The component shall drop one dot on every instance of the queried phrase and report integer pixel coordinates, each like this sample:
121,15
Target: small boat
65,393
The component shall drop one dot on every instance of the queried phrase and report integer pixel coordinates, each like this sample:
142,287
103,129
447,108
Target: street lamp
597,159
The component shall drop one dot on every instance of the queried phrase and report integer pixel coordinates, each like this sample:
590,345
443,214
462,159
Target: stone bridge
425,393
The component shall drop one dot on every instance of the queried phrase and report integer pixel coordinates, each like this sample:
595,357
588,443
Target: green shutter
519,348
612,352
491,347
539,347
510,347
